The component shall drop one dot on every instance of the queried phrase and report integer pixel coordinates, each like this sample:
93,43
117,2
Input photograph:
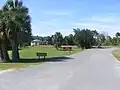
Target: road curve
94,69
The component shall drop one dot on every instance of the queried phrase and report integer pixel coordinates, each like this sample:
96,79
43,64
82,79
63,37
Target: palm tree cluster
15,25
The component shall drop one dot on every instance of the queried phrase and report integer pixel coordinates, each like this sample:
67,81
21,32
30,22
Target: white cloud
48,23
57,13
48,27
45,31
110,29
100,19
109,24
65,31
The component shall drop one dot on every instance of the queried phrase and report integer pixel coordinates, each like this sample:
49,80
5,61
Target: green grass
116,53
51,51
4,66
29,53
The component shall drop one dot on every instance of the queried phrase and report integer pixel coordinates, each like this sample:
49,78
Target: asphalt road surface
94,69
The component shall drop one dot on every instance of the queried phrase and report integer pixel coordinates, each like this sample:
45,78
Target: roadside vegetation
116,53
16,37
4,66
30,52
28,56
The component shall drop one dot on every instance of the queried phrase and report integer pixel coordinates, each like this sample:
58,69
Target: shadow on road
101,47
35,60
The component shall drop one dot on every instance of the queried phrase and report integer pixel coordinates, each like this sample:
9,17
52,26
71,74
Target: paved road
94,69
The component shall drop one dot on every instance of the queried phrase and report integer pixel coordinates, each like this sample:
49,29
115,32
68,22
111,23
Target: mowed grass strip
30,53
4,66
116,53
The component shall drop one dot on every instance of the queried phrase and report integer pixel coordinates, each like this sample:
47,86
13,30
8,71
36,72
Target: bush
107,43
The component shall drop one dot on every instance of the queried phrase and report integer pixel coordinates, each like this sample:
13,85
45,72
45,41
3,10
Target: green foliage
69,40
17,20
49,40
117,34
16,26
84,38
57,40
107,43
116,53
114,41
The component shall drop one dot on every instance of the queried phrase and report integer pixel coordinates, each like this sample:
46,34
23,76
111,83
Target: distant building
35,42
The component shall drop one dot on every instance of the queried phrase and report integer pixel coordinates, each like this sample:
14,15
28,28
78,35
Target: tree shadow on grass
35,60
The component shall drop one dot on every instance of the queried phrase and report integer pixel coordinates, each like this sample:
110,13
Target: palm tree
57,40
17,20
4,57
117,36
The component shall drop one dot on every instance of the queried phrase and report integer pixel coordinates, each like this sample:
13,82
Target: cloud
65,31
110,29
95,25
108,23
100,19
57,13
46,30
107,18
47,23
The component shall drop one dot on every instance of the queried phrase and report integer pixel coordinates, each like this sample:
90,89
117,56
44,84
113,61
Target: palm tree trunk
18,56
15,51
4,52
1,55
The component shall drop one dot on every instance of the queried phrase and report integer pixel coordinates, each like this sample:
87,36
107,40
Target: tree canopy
15,27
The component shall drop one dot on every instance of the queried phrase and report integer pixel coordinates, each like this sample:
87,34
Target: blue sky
50,16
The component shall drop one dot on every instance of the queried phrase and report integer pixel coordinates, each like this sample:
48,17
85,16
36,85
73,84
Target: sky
50,16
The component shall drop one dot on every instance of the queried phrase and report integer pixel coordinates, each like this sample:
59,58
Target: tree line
83,38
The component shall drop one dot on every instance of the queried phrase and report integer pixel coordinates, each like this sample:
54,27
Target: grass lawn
116,53
51,51
4,66
30,53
